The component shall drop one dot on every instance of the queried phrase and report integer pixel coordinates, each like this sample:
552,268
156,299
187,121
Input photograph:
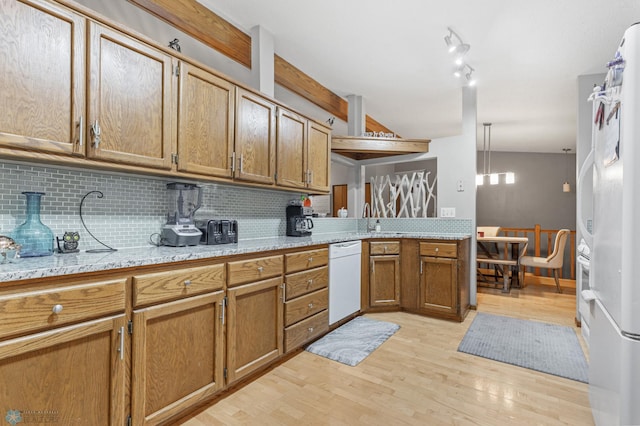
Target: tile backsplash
134,207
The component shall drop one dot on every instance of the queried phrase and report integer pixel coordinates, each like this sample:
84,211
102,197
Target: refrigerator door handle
586,167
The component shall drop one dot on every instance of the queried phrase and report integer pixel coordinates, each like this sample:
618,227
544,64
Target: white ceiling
527,56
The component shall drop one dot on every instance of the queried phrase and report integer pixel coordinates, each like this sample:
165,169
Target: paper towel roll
588,295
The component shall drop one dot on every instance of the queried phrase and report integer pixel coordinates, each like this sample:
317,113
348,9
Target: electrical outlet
460,186
447,212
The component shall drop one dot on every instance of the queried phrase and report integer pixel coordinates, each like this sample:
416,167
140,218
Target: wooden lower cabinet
384,273
438,285
68,375
254,327
444,279
306,306
178,356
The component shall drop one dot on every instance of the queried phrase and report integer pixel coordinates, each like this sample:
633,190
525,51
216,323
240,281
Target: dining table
506,262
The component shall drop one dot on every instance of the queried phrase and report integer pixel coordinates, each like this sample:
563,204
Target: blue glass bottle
35,238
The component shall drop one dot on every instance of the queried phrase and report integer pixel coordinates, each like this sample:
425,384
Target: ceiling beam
202,24
206,26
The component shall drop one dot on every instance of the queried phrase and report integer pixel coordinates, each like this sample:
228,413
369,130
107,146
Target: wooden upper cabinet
292,145
304,150
319,154
205,122
42,76
255,141
292,149
130,89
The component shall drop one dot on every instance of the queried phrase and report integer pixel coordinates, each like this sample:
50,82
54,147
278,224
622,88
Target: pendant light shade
566,186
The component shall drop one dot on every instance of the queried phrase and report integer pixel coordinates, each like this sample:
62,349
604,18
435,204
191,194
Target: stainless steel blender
180,229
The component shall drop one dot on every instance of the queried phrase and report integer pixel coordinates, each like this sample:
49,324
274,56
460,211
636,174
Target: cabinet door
42,76
70,375
255,142
205,120
384,281
319,154
291,147
438,285
255,327
178,355
129,100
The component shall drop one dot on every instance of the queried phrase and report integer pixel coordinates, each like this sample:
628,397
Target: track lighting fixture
467,71
456,46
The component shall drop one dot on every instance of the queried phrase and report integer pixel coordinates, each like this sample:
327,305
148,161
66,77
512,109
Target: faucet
366,212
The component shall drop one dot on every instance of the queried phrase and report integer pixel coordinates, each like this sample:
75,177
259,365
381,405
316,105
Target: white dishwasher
344,279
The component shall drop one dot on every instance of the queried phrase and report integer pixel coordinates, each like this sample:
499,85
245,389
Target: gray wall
535,198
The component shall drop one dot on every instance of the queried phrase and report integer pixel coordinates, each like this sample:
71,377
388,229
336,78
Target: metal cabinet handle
309,282
57,309
385,249
240,161
437,249
187,283
121,347
81,131
310,259
310,305
260,269
233,162
284,291
421,267
310,329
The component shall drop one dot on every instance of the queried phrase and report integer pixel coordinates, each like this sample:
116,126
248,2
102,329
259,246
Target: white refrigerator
614,349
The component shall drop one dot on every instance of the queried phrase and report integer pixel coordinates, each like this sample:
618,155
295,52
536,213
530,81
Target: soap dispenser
378,225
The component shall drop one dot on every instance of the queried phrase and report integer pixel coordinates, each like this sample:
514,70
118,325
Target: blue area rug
549,348
353,341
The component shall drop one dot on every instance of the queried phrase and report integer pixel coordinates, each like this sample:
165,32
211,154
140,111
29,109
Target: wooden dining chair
553,261
490,231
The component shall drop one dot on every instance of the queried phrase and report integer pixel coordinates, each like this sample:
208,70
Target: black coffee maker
299,222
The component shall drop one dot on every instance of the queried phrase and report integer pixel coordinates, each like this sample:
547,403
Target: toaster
217,231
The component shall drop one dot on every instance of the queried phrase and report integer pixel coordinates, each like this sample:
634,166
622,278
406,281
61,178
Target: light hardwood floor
417,377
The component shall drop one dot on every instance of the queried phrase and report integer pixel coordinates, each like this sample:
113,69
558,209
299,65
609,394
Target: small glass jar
35,238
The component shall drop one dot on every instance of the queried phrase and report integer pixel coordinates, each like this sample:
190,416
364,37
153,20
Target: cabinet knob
310,305
309,282
57,309
310,329
260,269
310,259
187,283
437,249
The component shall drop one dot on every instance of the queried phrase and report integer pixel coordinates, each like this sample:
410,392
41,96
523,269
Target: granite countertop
75,263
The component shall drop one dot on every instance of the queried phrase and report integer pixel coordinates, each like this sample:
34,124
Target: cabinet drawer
384,247
31,311
161,286
439,249
245,271
304,306
306,330
305,282
306,259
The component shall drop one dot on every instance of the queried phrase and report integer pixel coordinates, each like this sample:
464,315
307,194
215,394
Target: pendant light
566,186
494,178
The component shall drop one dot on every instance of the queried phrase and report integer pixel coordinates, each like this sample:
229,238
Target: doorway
339,199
